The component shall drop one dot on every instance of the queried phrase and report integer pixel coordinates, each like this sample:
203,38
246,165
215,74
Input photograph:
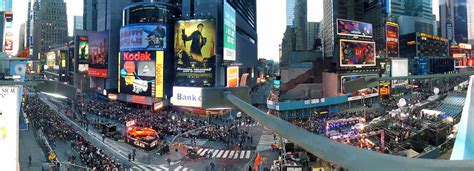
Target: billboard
50,59
357,53
187,96
159,75
229,33
399,69
392,46
18,67
368,92
384,88
98,54
8,40
354,28
431,46
195,52
9,127
63,58
143,37
83,56
233,76
138,72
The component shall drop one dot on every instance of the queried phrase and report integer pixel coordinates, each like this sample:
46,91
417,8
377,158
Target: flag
257,162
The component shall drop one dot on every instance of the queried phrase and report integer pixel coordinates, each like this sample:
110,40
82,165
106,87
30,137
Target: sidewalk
29,146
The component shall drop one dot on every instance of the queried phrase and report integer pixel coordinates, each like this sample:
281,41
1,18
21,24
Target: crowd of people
54,127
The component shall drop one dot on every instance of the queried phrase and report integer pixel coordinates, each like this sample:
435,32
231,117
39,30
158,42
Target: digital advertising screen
195,52
159,76
392,48
8,47
83,56
368,92
229,33
233,76
50,59
98,54
384,88
432,46
138,72
357,53
143,37
354,28
399,69
63,58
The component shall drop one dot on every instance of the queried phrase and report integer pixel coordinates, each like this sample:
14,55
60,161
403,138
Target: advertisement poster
392,40
159,80
98,54
399,69
143,37
63,58
18,67
233,76
9,125
368,92
50,59
137,72
229,33
357,53
384,88
8,40
187,96
354,28
83,50
195,52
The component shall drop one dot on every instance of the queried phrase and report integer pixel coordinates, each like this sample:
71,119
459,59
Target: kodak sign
137,56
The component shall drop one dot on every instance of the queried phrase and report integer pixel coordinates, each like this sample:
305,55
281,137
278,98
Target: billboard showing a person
354,28
357,53
83,50
195,54
98,54
392,40
143,37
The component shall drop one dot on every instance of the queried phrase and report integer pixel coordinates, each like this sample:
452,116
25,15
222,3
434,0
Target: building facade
416,16
290,12
78,23
454,20
22,38
312,34
90,15
6,5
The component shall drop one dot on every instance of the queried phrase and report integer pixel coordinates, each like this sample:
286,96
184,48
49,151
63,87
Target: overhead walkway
464,145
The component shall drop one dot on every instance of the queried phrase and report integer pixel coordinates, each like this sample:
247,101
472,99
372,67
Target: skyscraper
470,20
338,9
312,33
454,20
78,23
416,16
50,25
290,12
6,5
21,38
90,15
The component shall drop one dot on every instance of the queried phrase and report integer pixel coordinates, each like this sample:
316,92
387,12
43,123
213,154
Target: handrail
461,149
350,157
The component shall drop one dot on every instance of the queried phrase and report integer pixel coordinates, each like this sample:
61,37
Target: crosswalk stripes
266,141
159,168
199,142
249,125
225,154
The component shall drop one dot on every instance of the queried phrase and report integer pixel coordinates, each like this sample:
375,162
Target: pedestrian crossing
160,168
225,154
249,125
199,142
266,141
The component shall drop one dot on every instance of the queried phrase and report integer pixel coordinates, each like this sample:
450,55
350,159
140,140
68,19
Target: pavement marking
215,153
236,155
199,151
210,152
203,152
178,168
248,154
242,154
185,169
163,167
231,154
225,154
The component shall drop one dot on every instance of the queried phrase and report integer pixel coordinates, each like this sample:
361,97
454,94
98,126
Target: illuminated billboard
83,50
431,46
8,47
368,92
50,59
399,69
357,53
159,75
384,88
195,52
98,54
143,37
392,38
9,127
233,76
63,58
354,28
138,72
187,96
229,32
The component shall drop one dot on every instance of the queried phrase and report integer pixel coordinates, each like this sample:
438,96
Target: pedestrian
169,161
103,138
29,160
129,157
134,154
250,168
212,165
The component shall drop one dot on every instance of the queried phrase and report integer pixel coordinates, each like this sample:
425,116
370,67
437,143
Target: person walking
169,161
133,154
212,165
129,157
29,160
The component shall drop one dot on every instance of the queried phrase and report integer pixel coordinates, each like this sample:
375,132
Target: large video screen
357,53
143,37
138,72
432,46
368,92
195,52
83,50
50,59
399,69
98,55
354,28
392,40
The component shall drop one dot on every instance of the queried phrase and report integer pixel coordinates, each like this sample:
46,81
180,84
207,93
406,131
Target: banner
9,127
83,50
143,37
354,28
229,33
195,52
137,72
50,59
233,76
159,80
392,46
357,53
367,93
98,54
187,97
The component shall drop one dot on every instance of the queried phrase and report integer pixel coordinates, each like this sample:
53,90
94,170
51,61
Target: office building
78,23
338,9
90,15
290,12
301,19
470,21
21,38
6,5
375,13
312,35
49,25
416,16
454,20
